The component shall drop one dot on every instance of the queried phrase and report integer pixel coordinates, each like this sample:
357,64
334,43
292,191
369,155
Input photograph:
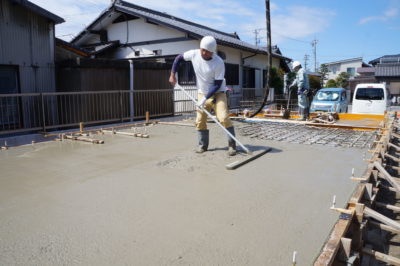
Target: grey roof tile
194,29
388,70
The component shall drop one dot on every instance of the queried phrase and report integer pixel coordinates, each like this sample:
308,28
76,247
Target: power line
80,14
285,36
290,38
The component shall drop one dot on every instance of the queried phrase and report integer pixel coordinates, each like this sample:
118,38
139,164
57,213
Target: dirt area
156,202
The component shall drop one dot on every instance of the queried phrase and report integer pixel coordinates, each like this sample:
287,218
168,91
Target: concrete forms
368,228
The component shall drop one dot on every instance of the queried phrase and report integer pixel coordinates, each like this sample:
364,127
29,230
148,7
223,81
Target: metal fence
49,111
52,111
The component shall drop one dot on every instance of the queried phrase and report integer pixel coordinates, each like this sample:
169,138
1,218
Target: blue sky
344,28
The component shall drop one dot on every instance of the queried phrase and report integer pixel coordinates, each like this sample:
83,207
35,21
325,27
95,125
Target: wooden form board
331,248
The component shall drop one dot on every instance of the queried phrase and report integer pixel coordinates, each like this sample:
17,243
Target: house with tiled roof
128,31
384,69
387,69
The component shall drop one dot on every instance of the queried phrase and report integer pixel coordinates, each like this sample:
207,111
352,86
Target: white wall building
348,66
128,31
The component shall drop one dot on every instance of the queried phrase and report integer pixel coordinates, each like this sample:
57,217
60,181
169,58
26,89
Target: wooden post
147,117
81,127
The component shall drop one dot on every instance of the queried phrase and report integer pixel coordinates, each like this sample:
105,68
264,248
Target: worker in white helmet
303,89
210,71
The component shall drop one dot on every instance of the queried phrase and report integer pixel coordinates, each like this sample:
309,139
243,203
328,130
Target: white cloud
76,14
388,14
292,22
213,13
241,16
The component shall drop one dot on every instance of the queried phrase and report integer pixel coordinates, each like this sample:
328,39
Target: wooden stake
394,146
381,256
388,206
95,141
345,244
381,218
387,176
81,127
389,188
385,227
127,133
396,135
147,117
392,157
341,210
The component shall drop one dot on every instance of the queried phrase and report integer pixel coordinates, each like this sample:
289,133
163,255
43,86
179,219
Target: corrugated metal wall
27,41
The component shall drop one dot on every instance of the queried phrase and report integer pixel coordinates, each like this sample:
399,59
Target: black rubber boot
203,137
306,113
231,142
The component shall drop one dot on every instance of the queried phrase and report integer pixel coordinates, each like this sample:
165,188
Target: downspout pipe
131,89
244,58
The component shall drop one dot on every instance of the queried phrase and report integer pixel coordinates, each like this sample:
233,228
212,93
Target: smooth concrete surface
134,201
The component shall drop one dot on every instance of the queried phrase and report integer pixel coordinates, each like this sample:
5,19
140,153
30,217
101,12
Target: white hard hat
296,64
209,43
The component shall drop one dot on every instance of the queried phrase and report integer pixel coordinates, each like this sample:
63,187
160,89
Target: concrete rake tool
236,164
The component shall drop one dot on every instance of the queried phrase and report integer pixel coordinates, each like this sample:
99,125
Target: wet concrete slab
156,202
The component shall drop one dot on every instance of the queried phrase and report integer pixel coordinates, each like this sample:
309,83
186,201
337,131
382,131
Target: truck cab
331,100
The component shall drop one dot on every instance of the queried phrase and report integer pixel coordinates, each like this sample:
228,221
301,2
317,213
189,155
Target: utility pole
269,60
314,45
257,39
306,58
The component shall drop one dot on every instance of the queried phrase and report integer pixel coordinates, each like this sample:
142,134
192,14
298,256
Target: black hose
269,55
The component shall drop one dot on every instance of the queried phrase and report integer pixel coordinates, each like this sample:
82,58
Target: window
351,71
186,75
327,96
370,94
248,77
334,69
232,74
222,55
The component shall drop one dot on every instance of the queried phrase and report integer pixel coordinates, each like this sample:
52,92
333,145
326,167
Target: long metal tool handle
214,119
